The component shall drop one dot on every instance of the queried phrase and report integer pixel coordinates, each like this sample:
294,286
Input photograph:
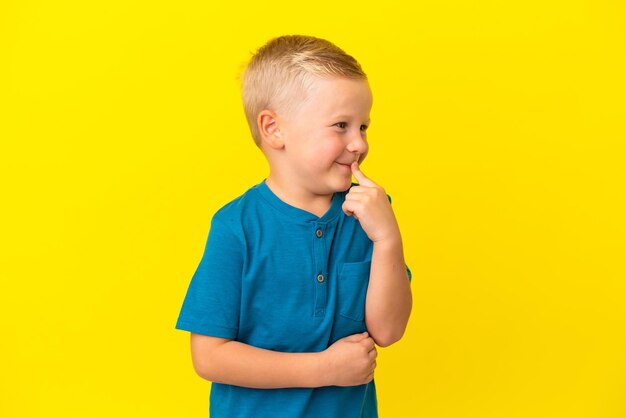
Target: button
318,233
320,278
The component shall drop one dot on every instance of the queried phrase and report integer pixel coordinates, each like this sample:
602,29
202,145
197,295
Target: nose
358,144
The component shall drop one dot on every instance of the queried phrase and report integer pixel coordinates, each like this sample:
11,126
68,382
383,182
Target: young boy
304,273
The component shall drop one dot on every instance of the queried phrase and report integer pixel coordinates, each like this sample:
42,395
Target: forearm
389,301
239,364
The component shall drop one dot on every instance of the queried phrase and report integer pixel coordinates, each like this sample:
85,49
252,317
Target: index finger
360,177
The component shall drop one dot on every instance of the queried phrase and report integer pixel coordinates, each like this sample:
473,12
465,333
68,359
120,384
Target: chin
342,186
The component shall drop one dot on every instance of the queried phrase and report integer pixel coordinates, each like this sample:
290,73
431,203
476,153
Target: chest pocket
353,281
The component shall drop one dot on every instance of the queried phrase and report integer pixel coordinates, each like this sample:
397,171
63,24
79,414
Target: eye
364,128
341,125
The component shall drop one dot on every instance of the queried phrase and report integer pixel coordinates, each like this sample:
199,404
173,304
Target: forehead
328,97
342,92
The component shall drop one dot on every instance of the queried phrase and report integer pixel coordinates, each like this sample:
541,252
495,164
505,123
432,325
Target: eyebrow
368,121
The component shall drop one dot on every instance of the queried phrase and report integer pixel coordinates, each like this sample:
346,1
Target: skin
310,149
313,152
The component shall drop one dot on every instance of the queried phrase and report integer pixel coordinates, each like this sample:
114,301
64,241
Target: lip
348,166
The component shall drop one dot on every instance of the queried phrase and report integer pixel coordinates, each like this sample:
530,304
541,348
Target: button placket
319,250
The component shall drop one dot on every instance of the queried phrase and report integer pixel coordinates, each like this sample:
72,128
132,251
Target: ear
267,122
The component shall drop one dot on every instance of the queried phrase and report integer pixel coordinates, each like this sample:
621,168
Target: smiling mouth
345,165
349,164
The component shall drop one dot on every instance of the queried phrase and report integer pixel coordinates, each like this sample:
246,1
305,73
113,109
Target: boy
304,273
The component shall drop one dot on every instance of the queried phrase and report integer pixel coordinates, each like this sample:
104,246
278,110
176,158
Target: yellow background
498,129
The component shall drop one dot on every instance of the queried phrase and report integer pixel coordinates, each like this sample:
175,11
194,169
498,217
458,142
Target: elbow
205,356
385,339
204,369
209,371
387,333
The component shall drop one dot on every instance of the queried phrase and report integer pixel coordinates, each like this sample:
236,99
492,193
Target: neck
298,197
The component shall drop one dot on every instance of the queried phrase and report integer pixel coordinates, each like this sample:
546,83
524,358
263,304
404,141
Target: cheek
326,149
332,151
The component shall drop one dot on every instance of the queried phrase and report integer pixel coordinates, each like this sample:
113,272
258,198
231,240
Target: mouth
346,165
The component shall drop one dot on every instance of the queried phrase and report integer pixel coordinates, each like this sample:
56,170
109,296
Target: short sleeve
212,303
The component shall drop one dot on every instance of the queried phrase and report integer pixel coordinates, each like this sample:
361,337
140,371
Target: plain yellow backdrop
498,129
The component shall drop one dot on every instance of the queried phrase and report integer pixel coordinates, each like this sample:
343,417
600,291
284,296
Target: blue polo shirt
277,277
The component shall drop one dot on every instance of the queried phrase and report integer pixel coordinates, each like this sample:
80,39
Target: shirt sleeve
212,303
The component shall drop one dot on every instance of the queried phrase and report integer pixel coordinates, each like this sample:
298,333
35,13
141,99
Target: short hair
284,68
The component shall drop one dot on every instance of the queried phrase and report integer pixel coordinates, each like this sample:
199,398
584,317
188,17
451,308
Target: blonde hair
284,68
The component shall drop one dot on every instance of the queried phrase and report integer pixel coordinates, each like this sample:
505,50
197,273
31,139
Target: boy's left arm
389,301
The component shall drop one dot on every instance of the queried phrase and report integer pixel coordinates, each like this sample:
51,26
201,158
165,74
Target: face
325,134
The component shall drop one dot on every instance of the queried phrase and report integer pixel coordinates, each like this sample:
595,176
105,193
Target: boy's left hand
368,203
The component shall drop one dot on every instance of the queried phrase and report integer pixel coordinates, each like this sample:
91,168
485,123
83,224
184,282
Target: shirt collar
301,215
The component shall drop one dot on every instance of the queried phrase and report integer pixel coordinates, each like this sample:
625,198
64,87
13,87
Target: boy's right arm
348,362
